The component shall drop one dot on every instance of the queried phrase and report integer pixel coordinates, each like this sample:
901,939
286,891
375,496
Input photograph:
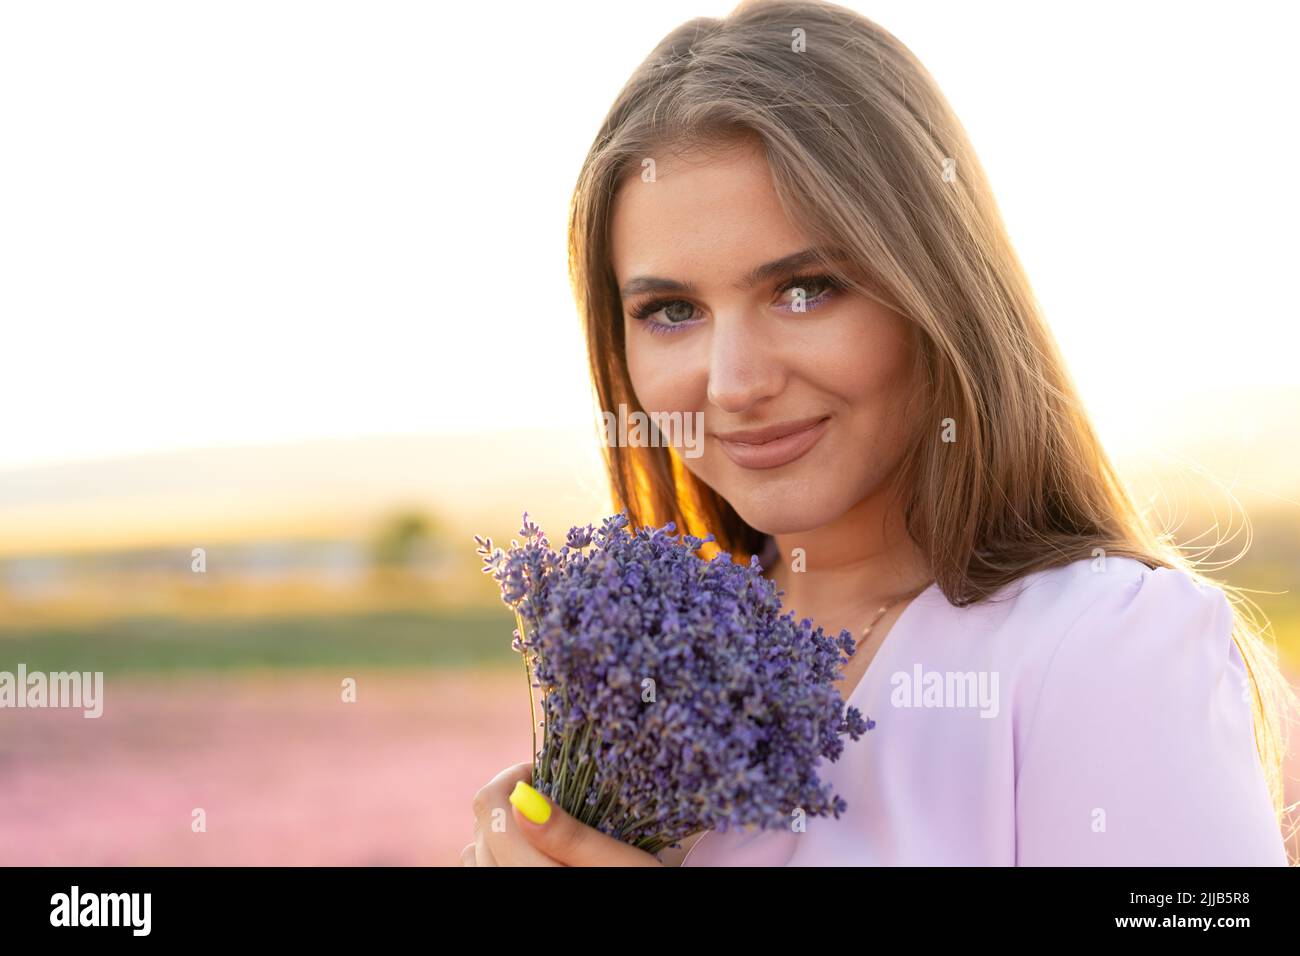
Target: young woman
781,225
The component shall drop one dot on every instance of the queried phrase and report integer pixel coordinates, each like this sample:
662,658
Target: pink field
285,771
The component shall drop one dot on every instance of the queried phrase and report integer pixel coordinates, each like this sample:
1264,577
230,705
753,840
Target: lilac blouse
1094,714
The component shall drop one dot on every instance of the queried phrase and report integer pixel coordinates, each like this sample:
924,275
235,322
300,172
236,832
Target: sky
256,223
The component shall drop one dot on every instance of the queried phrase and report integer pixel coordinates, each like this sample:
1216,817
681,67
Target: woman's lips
773,446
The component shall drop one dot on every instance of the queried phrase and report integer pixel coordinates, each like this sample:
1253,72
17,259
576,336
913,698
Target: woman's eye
807,289
674,312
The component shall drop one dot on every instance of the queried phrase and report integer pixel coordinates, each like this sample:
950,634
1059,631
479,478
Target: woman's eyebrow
780,268
642,284
767,271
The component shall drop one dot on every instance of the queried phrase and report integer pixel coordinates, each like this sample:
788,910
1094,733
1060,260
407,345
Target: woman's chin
783,514
783,501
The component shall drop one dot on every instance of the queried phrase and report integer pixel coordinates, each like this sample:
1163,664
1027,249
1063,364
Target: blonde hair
868,157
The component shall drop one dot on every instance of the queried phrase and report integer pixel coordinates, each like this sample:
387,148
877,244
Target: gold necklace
881,613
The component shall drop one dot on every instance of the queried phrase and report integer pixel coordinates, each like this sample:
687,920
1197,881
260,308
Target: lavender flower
676,696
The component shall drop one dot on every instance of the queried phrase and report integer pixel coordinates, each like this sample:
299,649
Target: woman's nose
742,368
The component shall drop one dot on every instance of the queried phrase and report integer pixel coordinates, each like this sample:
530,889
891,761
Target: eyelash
643,312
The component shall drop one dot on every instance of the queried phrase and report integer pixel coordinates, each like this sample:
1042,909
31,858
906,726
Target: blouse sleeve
1140,751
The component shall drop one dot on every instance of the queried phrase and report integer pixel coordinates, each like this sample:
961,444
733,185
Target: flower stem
528,673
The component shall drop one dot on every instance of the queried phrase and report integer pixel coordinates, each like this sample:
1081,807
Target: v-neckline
887,641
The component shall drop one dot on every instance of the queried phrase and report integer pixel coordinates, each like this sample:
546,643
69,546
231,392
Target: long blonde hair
868,157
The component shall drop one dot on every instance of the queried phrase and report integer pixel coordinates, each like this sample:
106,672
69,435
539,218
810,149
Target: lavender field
285,772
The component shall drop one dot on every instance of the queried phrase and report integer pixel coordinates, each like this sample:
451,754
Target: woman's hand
506,834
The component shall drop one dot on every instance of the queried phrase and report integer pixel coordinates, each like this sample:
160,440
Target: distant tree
402,536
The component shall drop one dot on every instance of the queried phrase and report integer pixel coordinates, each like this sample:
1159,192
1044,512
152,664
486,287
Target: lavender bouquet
676,696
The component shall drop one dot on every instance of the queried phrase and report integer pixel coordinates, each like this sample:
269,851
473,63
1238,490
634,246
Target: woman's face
803,411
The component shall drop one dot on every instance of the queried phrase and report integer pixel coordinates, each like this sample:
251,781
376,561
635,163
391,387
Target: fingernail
530,803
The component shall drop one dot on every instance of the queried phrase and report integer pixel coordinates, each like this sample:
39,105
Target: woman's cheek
868,361
663,380
641,368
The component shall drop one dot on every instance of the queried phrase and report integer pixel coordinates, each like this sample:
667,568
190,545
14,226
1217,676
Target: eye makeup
828,288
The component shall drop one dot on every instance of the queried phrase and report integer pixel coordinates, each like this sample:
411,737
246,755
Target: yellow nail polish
530,803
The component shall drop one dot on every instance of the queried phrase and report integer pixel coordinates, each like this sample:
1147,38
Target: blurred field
286,773
244,718
394,639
